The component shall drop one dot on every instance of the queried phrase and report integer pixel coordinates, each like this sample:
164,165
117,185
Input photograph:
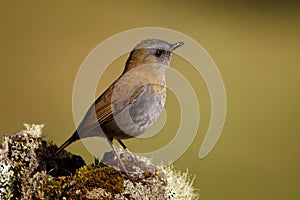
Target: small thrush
131,104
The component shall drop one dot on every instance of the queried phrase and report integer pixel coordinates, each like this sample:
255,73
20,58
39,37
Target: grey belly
141,114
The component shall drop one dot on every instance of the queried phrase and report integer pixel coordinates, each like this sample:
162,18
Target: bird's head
151,51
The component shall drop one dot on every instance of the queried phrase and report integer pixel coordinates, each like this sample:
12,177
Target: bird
133,102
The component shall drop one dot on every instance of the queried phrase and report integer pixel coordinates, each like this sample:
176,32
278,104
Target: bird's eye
158,52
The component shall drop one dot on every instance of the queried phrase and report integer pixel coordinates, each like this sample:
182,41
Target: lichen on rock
22,167
28,170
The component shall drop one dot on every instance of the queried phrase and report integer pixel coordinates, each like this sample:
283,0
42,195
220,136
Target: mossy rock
29,171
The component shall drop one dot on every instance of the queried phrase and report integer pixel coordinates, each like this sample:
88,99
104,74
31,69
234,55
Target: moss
102,177
85,179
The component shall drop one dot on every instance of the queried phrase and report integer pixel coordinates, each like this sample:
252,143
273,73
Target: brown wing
105,108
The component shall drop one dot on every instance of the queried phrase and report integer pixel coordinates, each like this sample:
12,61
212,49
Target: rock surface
29,171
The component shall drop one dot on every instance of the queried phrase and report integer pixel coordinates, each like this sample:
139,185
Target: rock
28,170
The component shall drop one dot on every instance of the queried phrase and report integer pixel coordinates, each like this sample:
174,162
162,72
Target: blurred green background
255,45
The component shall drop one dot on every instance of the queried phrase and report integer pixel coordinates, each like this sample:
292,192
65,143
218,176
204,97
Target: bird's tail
72,139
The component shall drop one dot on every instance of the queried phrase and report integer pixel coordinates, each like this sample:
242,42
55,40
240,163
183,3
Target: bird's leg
133,157
110,141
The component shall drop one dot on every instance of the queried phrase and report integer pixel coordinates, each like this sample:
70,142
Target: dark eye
158,52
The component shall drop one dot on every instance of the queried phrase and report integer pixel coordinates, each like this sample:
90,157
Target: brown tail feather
72,139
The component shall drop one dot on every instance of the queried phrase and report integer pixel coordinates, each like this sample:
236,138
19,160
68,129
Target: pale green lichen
26,173
180,185
98,193
34,130
6,180
144,191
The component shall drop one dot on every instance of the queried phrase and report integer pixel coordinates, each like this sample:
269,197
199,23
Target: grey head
158,44
151,51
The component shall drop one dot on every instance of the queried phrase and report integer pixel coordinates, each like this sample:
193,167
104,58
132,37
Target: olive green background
255,45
